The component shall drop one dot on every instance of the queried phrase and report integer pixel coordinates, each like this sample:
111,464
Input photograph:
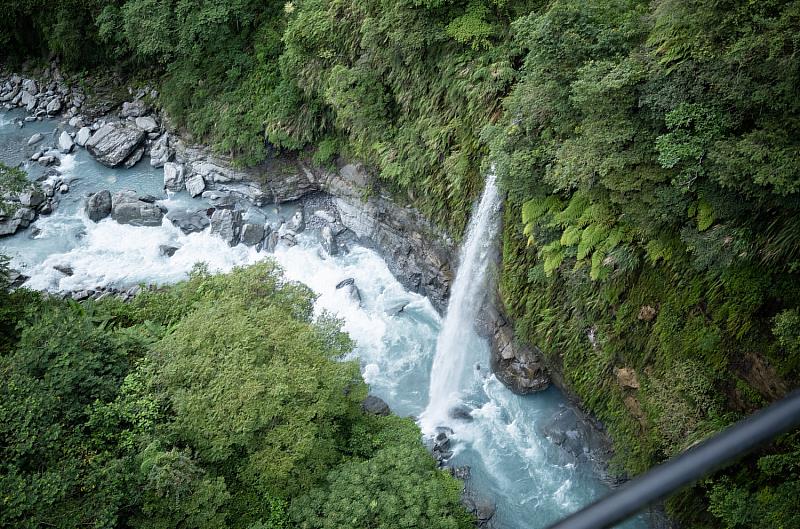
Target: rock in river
173,176
114,142
98,206
227,223
129,209
65,143
189,221
252,234
195,185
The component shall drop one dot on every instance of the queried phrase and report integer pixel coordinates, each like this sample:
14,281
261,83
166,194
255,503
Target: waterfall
451,366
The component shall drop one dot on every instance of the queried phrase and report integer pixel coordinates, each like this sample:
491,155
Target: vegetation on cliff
650,152
218,402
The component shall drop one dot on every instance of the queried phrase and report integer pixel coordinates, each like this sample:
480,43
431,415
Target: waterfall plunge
451,365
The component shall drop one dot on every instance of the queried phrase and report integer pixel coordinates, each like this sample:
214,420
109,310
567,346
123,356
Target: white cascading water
450,366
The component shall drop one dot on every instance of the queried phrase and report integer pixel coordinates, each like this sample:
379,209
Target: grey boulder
53,106
114,142
227,223
36,138
160,152
147,124
32,198
174,176
375,406
195,185
65,143
134,109
252,234
129,209
98,206
189,221
83,136
297,222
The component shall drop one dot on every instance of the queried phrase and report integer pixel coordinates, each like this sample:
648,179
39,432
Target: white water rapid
451,367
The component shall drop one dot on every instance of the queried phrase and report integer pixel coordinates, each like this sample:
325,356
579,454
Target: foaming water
116,255
453,360
533,481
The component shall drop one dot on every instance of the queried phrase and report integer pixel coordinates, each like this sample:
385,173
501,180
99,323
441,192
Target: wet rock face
517,366
418,253
576,434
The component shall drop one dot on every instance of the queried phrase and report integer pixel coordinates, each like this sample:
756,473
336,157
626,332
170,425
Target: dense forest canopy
219,402
650,152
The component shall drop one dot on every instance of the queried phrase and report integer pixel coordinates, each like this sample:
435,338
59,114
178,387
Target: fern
593,235
705,215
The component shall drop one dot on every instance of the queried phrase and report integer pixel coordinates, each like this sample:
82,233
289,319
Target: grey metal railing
708,456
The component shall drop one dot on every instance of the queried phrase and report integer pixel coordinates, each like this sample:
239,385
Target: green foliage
218,402
652,224
12,180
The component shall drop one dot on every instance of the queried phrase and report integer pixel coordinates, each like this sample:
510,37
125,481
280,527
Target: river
533,481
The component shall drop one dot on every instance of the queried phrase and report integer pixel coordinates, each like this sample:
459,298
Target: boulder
32,198
10,95
28,100
252,234
98,206
227,223
173,176
160,153
460,412
83,136
65,143
167,250
217,172
9,227
53,106
16,279
36,138
577,435
219,199
113,143
129,209
147,124
482,507
30,86
134,157
195,185
297,222
134,109
189,221
271,241
349,286
519,367
244,191
64,269
329,241
375,406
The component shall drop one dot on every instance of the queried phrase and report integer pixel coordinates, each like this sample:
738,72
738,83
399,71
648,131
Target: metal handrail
713,453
